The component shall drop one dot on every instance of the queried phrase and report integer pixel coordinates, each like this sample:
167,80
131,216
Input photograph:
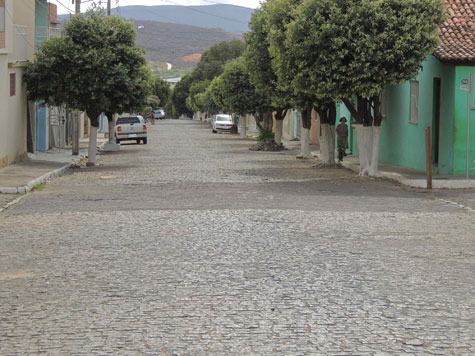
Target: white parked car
158,114
131,128
222,122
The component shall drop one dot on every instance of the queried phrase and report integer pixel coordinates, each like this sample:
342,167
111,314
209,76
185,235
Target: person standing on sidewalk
342,141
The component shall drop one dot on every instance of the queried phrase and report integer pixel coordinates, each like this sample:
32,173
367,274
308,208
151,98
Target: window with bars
414,102
13,84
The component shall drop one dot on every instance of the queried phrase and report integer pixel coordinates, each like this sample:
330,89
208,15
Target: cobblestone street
194,245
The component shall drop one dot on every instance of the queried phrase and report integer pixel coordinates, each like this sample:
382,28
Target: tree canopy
236,91
179,96
214,59
356,47
96,67
161,90
259,65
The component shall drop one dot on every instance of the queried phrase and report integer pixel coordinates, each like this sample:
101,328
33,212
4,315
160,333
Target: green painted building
436,98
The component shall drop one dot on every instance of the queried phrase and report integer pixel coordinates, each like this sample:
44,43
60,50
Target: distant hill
229,18
180,34
179,45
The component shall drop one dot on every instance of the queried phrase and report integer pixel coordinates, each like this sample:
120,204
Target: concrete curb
31,184
13,202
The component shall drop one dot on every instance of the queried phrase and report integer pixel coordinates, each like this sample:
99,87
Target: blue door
41,128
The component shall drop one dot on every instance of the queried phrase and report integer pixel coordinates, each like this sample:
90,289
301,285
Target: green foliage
265,135
234,91
195,99
179,95
347,47
153,101
39,187
206,102
96,67
212,63
162,91
217,94
259,63
278,15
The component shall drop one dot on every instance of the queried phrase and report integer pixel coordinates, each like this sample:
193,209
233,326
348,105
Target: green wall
403,142
460,131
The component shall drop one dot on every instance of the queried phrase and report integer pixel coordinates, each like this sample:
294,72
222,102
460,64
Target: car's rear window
223,118
128,120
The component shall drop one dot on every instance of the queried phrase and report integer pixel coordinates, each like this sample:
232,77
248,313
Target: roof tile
458,32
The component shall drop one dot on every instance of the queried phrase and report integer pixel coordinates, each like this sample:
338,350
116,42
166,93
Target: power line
206,13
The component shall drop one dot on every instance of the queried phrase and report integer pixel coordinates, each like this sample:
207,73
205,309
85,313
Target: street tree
279,15
261,72
239,95
96,67
212,62
195,98
179,96
161,90
361,46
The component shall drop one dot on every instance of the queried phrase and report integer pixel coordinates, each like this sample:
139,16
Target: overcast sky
63,4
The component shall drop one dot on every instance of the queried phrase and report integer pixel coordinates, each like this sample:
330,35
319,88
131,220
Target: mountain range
229,18
179,45
178,35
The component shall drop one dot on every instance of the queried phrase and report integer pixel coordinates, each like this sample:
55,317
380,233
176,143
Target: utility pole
75,114
109,7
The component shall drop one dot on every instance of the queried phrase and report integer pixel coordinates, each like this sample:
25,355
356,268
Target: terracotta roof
458,32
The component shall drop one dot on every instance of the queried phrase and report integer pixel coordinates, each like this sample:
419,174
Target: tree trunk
368,132
365,145
268,120
111,127
259,119
243,123
305,134
279,126
373,168
93,116
327,144
327,140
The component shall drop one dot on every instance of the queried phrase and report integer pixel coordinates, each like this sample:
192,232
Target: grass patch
39,187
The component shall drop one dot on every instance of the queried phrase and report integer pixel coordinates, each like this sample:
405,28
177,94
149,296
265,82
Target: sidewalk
412,177
406,176
40,167
21,177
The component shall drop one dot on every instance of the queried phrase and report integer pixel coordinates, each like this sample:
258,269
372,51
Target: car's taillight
119,128
145,127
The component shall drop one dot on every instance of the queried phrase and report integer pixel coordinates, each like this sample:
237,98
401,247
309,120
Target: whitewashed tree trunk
243,126
279,126
91,158
361,148
373,168
368,147
305,144
327,144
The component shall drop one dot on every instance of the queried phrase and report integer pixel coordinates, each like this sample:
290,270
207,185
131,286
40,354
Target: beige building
17,38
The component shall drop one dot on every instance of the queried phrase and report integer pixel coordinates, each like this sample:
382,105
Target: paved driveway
193,245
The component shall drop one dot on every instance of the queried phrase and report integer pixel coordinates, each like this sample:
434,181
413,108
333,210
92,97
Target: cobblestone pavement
193,245
6,198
